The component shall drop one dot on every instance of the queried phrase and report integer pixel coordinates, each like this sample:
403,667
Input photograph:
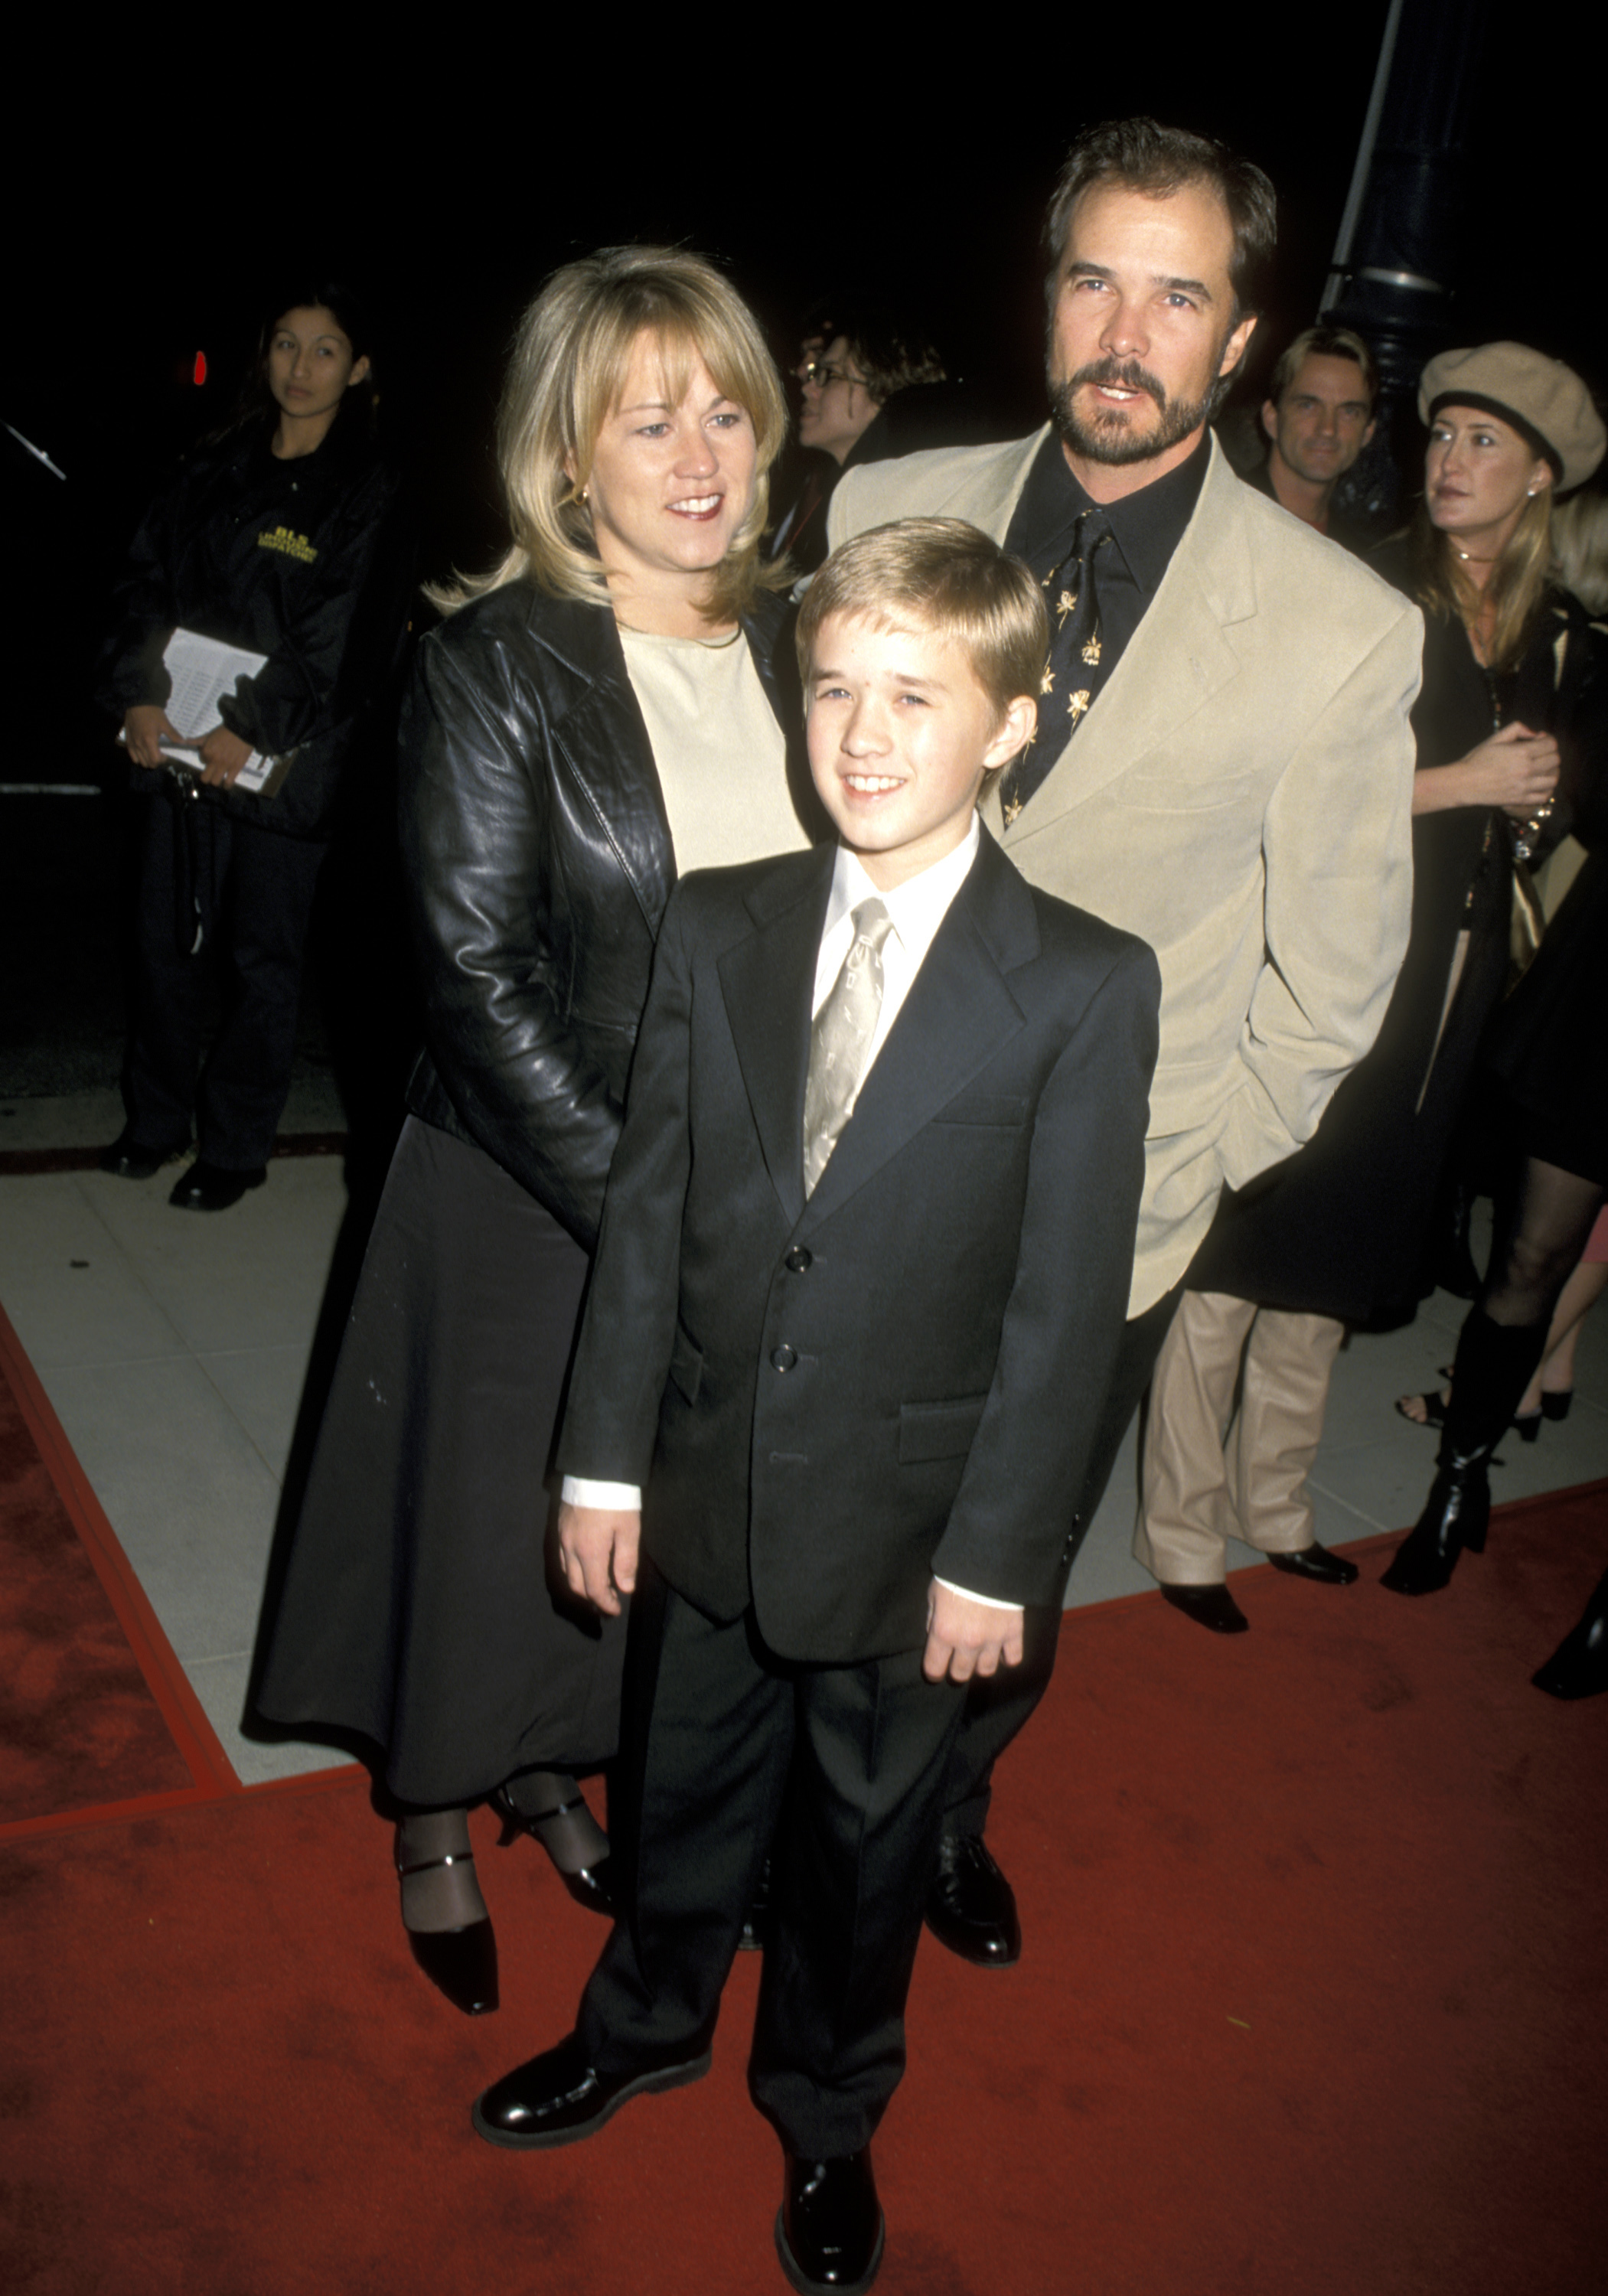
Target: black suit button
798,1260
783,1357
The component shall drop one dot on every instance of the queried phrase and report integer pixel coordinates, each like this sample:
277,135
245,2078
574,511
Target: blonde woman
1508,425
604,711
1345,1231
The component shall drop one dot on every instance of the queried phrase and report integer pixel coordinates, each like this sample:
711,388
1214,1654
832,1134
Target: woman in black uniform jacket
282,536
602,711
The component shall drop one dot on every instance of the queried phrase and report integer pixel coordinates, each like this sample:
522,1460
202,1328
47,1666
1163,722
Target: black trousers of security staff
248,892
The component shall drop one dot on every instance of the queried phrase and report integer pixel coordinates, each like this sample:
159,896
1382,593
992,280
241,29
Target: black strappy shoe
461,1962
570,1836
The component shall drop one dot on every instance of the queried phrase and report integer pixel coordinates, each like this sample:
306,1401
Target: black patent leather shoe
970,1906
591,1886
1316,1562
461,1964
1213,1607
1455,1517
209,1188
128,1158
1579,1667
559,2099
829,2226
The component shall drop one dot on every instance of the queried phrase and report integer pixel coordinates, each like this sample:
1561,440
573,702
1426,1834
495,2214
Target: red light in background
199,371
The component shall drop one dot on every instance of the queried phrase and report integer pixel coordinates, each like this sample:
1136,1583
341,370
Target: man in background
1319,416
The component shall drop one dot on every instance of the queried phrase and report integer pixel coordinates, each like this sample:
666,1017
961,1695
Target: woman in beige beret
1506,427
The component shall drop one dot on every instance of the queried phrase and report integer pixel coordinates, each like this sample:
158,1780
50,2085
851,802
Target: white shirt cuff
988,1601
619,1498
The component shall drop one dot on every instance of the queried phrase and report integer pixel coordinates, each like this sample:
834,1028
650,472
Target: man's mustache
1127,375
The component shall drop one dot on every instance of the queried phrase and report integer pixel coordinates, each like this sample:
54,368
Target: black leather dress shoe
970,1906
128,1158
1208,1606
1579,1667
829,2226
1316,1561
558,2099
209,1188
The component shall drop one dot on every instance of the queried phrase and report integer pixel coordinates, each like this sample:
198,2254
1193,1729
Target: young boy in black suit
863,1263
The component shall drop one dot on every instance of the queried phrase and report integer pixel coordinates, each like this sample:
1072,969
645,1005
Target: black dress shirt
1146,528
1338,528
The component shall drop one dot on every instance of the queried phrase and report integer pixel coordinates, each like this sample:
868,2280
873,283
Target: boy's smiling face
901,736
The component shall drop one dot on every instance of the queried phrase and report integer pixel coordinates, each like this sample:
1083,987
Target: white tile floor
173,1350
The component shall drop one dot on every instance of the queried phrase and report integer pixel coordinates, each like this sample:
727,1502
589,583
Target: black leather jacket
538,856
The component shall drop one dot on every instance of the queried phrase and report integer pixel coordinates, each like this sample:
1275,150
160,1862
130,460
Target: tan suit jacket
1239,796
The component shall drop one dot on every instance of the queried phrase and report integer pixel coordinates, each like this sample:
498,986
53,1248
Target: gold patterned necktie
840,1038
1071,673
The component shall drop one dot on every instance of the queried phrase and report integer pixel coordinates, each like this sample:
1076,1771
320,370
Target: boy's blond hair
941,576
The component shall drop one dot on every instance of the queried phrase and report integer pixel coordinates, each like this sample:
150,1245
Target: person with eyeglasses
852,365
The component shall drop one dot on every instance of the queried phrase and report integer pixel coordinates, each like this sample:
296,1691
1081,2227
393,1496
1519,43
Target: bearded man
1223,764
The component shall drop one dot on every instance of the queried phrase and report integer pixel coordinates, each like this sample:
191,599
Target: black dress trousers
998,1708
250,890
730,1753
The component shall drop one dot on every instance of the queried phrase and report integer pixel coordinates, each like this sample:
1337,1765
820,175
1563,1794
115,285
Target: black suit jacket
829,1400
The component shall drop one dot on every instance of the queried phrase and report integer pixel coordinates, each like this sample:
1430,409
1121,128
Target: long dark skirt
417,1607
1343,1228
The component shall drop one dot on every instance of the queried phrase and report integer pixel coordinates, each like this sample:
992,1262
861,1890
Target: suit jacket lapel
958,1013
1178,658
767,983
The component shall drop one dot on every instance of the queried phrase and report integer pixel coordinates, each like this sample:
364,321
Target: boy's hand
964,1638
597,1547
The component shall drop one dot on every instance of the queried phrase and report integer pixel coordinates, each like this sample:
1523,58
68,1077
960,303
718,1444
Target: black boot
1579,1667
1454,1517
1493,1368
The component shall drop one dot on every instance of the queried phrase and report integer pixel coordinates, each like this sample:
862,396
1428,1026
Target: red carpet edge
197,1743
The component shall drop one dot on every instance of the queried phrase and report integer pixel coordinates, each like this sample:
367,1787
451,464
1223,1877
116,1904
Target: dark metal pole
1396,260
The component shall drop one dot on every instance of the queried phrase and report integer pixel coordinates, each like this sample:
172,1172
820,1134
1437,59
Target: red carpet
1312,2005
95,1715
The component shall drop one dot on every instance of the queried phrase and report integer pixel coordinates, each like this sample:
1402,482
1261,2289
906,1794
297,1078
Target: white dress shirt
917,908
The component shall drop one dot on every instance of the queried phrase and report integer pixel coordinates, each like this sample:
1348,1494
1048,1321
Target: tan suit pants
1211,1472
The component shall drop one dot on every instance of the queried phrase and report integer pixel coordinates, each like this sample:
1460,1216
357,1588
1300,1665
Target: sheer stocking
1504,1336
1547,1234
554,1810
437,1894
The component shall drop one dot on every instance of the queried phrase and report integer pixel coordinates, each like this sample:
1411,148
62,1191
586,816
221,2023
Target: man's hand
145,727
222,756
597,1546
964,1638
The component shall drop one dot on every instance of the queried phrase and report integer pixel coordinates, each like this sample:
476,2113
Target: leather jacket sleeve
533,944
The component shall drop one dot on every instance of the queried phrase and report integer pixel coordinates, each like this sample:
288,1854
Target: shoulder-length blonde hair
1514,587
566,369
